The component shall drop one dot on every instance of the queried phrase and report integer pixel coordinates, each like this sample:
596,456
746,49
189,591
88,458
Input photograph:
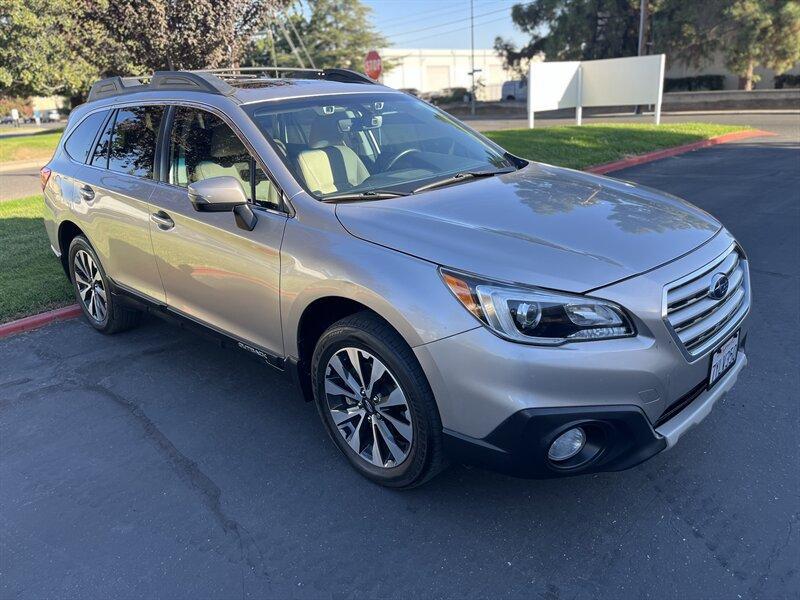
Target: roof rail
215,81
250,73
161,80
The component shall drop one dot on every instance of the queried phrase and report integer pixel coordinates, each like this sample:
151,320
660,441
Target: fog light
567,445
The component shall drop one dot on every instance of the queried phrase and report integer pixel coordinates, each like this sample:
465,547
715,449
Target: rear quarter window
79,142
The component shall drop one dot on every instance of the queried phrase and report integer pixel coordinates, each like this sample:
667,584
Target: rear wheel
92,291
376,403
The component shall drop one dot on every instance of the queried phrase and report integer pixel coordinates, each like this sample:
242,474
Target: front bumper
620,437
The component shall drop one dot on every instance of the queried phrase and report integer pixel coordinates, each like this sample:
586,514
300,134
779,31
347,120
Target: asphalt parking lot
156,464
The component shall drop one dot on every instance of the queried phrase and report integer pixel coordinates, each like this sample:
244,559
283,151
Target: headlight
535,316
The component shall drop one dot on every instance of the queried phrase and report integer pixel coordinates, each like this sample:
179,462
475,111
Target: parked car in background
516,89
52,116
449,95
434,295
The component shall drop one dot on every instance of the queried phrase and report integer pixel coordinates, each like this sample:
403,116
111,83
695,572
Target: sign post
373,65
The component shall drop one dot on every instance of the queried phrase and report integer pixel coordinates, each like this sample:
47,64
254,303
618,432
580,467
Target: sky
443,23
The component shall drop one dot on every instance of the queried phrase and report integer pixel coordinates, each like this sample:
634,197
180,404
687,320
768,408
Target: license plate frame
723,359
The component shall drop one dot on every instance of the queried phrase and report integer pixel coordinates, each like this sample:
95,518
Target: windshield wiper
461,176
368,195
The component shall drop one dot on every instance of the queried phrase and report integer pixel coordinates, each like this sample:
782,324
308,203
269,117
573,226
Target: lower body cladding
582,408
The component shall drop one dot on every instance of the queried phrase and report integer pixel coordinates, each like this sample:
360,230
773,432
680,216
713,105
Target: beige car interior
329,165
227,155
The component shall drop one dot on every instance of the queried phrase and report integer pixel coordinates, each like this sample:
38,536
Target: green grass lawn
32,281
587,145
31,278
37,146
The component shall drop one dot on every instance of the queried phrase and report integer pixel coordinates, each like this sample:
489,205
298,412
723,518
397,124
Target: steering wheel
401,154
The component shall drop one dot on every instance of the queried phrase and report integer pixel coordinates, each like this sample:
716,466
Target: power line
436,11
412,31
425,37
427,14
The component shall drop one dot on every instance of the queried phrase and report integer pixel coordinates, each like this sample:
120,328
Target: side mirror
217,194
223,194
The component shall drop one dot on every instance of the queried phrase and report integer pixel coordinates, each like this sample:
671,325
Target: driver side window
203,146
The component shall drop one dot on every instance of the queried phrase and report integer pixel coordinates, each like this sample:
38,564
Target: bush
787,80
23,105
694,84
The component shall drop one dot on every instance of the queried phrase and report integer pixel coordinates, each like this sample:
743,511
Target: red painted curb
29,323
659,154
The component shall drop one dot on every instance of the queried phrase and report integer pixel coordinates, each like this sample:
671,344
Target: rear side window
79,142
133,140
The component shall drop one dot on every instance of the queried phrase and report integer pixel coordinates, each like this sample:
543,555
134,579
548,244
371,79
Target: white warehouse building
429,70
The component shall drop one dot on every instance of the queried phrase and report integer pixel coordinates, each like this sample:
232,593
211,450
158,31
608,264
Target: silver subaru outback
437,297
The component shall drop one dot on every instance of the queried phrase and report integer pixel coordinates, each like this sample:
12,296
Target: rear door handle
163,220
87,193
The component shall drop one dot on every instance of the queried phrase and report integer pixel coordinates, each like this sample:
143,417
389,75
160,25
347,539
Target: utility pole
642,27
272,52
472,55
642,31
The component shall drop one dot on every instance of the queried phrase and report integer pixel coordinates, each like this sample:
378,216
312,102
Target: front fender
319,259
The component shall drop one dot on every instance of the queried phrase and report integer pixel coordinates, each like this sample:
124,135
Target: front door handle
163,220
87,193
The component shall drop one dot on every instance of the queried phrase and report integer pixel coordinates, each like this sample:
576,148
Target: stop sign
372,64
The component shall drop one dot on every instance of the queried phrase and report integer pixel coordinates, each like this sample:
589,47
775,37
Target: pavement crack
188,470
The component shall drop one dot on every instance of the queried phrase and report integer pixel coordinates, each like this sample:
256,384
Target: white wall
430,70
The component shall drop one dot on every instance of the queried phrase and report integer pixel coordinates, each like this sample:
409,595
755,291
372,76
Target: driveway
156,464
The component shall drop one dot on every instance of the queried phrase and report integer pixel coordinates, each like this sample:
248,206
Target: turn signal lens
463,292
44,176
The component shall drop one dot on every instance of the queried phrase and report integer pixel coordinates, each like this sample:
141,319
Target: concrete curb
36,321
666,153
20,165
70,312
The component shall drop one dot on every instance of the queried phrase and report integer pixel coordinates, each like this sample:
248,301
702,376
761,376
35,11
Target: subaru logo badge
719,286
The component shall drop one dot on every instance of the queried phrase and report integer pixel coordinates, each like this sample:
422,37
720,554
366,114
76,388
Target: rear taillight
44,175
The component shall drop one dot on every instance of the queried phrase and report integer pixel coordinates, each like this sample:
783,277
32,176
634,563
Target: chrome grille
700,321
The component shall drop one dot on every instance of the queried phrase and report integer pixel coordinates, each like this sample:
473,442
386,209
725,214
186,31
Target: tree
573,30
747,33
149,35
336,33
37,54
61,46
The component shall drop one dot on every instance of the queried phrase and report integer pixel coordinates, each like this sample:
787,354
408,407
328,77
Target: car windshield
378,145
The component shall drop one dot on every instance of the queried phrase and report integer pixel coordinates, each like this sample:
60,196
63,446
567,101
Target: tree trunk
746,80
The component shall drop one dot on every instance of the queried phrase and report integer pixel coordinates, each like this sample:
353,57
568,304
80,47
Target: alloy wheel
368,407
91,288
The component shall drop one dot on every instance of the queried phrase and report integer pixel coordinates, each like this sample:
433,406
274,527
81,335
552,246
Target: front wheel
92,291
376,403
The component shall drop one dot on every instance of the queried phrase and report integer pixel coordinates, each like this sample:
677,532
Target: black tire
367,331
116,318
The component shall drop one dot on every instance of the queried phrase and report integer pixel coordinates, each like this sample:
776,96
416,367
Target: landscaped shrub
787,80
694,84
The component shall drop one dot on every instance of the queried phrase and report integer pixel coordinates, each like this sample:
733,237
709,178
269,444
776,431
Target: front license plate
723,359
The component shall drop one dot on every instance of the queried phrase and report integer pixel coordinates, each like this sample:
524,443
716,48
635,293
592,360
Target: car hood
541,225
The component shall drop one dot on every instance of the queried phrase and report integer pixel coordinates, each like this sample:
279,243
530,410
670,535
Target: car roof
277,89
242,85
